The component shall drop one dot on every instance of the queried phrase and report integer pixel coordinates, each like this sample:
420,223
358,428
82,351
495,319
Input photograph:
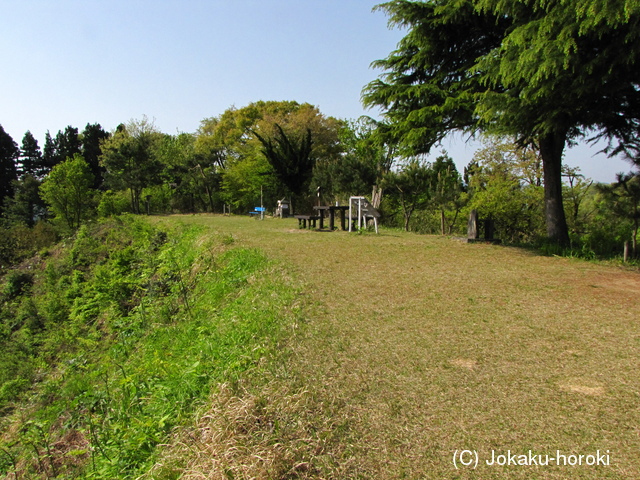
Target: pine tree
30,156
92,137
68,143
49,154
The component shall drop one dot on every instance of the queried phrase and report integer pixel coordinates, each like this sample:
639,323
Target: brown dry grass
414,347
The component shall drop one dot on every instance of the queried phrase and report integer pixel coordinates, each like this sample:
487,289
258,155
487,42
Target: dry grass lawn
414,347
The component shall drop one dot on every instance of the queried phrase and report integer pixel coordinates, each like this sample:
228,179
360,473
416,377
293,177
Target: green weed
137,325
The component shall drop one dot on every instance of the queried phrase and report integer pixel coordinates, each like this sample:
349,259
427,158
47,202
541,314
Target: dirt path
414,347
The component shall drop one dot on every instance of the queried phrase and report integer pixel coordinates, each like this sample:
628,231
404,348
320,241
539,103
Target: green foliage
119,338
67,191
227,148
113,203
526,69
9,153
504,185
66,144
290,158
411,188
18,241
130,159
25,206
30,156
624,197
366,157
92,138
246,181
16,284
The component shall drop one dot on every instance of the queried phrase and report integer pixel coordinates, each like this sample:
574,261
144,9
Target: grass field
414,347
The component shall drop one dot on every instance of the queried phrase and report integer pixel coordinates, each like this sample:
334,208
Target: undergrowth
113,340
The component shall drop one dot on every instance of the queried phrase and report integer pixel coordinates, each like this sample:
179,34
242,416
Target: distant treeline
266,151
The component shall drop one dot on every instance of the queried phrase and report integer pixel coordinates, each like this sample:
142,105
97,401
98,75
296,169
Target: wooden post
472,226
626,252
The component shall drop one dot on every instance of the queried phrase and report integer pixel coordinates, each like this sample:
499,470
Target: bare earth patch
464,363
583,389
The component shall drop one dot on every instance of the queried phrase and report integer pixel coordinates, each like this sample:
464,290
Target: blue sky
73,62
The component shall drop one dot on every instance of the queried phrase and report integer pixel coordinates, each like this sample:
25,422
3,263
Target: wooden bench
303,219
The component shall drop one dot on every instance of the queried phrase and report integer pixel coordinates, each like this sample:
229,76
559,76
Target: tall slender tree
49,154
547,72
30,156
9,153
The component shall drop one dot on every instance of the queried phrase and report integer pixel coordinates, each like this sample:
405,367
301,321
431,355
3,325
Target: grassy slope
417,346
135,326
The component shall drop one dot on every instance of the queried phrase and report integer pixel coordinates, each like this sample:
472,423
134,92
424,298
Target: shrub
16,283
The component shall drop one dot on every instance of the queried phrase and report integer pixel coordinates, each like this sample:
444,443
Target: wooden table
331,210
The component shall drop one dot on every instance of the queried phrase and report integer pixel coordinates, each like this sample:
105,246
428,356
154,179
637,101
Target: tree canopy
290,158
546,72
67,190
129,157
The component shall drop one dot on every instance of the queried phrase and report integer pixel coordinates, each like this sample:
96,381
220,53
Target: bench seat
303,219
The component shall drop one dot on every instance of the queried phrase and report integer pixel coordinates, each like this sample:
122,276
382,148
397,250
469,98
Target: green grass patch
119,337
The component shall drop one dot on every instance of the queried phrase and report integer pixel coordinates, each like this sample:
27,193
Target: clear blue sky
73,62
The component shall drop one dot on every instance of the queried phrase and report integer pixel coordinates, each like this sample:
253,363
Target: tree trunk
551,148
376,197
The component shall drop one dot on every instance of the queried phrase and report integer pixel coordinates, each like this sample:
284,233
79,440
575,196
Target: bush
113,203
17,283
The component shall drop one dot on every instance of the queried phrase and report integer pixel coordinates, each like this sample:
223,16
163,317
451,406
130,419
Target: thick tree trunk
551,148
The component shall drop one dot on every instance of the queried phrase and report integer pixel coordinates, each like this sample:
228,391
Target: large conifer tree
548,72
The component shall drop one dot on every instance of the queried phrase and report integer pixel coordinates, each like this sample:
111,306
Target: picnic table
331,210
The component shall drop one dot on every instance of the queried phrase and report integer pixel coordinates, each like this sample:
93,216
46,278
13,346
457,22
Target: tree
547,72
624,194
576,191
193,179
26,205
291,158
30,156
67,190
364,161
411,185
502,185
224,141
129,157
446,187
9,153
68,144
91,139
49,155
